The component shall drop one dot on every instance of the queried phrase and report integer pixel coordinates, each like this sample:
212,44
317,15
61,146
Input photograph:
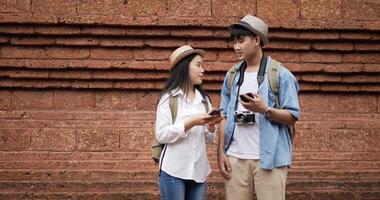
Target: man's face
246,47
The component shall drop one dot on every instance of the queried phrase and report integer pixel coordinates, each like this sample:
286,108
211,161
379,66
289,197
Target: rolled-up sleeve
166,131
209,136
225,96
289,89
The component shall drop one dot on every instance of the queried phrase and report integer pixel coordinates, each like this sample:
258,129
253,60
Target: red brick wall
79,82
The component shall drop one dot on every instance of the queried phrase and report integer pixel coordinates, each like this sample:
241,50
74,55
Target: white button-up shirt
185,156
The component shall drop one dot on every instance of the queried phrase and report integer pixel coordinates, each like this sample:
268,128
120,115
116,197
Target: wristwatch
267,112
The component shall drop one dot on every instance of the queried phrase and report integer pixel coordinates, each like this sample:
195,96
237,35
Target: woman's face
196,70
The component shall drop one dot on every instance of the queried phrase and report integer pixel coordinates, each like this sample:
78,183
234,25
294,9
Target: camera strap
260,74
263,65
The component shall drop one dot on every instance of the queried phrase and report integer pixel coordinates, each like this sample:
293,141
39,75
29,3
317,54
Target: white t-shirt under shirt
245,143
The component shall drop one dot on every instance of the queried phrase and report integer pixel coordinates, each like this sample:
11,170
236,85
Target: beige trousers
247,177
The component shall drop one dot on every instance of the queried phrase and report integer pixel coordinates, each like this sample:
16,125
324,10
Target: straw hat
256,26
181,52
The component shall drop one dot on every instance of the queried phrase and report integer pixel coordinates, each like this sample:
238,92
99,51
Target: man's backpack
173,106
273,77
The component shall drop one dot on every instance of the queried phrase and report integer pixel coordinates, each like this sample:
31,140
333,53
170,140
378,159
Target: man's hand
224,165
255,104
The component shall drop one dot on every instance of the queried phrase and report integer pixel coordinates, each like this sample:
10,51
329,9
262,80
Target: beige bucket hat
256,26
181,52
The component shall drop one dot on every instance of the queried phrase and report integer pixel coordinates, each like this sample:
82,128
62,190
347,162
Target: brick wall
79,81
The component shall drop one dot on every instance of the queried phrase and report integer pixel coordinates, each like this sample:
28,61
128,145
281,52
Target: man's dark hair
237,32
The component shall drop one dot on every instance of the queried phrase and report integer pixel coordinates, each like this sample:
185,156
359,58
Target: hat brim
187,53
264,39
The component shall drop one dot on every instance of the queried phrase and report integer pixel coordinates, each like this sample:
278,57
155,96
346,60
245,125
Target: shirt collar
197,99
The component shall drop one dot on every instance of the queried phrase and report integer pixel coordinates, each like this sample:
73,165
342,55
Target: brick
320,9
12,6
321,57
122,43
367,47
282,34
325,139
4,40
361,10
360,79
136,139
97,140
14,139
115,196
5,99
210,56
74,100
356,36
32,41
319,103
318,36
152,54
283,45
58,52
22,52
288,10
179,8
115,100
285,56
70,74
18,74
232,8
333,46
358,104
53,139
320,78
31,100
361,57
147,9
56,7
340,88
56,30
142,65
77,41
337,195
192,32
171,43
147,100
227,56
104,7
209,44
105,53
369,195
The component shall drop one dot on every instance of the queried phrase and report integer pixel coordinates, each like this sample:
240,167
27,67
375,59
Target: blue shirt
275,143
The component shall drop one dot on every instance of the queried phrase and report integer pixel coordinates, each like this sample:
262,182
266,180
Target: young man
254,148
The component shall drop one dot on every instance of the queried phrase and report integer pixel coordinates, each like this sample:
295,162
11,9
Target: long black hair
179,78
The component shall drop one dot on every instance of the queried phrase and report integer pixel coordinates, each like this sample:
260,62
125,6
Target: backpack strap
173,106
273,75
230,78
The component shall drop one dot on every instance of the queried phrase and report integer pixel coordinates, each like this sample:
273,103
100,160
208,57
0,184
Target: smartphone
215,112
245,99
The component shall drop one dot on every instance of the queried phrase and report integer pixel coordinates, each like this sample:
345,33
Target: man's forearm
281,116
221,137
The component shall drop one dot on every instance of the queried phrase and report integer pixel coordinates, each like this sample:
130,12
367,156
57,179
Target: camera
244,117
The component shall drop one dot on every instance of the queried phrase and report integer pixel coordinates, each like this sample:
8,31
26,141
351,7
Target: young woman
184,165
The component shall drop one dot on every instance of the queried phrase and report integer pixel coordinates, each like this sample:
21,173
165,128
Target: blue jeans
172,188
